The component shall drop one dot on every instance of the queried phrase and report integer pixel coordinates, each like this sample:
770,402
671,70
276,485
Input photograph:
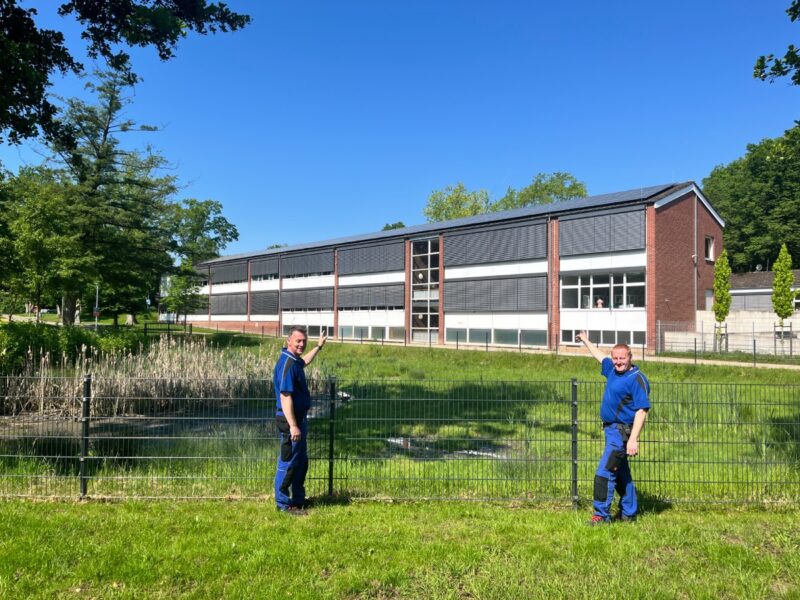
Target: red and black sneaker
597,520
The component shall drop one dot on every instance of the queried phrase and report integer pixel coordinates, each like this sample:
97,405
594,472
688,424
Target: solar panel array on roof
543,210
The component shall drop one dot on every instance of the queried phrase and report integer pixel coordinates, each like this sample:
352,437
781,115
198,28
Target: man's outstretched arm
583,336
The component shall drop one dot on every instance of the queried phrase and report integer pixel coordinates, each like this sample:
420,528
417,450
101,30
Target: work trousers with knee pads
614,473
290,477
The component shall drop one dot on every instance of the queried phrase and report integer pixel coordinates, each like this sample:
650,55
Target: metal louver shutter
263,267
229,304
524,242
372,259
264,303
304,264
231,273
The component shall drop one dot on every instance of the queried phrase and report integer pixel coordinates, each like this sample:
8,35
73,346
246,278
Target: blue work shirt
625,393
290,378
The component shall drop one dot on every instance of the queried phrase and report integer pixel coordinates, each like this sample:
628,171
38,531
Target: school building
613,264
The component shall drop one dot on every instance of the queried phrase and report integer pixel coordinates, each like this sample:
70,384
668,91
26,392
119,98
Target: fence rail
158,438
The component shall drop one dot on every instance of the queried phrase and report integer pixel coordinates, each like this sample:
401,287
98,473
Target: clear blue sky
331,118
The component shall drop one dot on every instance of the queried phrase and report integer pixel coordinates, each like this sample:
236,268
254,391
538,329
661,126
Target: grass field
405,550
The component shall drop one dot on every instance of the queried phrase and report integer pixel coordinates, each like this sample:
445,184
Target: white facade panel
232,318
606,261
229,288
197,318
203,290
366,318
534,321
372,279
535,267
618,319
263,317
324,317
315,281
264,285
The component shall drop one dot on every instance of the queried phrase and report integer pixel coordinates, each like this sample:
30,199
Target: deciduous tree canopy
32,55
758,196
770,67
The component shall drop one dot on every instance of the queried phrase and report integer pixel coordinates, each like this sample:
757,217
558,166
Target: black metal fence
144,438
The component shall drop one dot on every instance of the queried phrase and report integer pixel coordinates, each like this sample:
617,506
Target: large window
603,290
425,290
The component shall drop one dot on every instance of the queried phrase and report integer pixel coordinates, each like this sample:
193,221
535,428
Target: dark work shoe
597,520
625,518
294,511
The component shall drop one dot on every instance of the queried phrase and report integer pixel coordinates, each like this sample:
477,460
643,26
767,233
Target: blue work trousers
614,473
290,478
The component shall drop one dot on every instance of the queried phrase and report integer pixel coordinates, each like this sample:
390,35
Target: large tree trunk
68,304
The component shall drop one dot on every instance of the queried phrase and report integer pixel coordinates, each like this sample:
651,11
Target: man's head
621,357
296,341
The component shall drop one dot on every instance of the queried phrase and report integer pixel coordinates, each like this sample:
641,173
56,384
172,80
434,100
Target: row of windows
603,290
606,337
355,332
314,331
501,337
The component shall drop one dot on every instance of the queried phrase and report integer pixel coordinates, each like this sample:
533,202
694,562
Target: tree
200,233
722,287
454,202
782,294
543,189
722,294
758,196
31,56
395,225
770,68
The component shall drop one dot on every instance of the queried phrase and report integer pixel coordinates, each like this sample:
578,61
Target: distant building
753,291
613,264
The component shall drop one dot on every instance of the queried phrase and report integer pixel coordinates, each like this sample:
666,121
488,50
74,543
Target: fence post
331,431
190,329
754,352
85,400
574,444
695,350
145,328
659,349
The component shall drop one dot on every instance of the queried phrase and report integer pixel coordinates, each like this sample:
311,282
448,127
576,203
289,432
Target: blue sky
324,119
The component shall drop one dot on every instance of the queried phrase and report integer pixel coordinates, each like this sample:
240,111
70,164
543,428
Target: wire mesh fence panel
39,436
452,439
198,438
707,443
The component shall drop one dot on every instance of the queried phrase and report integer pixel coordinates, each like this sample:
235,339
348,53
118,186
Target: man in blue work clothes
293,402
623,411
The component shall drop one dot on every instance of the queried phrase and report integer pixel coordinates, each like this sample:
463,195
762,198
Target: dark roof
757,280
635,196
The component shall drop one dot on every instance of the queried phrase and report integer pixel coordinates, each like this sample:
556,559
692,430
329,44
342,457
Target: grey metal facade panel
312,299
602,233
264,303
263,267
524,242
374,296
375,258
306,264
229,304
496,295
629,231
229,273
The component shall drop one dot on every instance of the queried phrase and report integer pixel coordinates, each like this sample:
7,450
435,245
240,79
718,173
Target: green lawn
401,550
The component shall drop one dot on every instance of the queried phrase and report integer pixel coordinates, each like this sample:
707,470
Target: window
479,336
709,248
536,337
397,333
508,337
424,289
603,290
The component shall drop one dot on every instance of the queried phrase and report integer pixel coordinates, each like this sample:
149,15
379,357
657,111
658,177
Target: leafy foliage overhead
758,196
770,67
32,55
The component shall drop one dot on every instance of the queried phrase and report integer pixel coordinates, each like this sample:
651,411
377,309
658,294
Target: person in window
599,302
623,412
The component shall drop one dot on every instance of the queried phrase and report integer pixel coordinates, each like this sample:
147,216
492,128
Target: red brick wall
674,245
652,283
553,304
707,225
252,327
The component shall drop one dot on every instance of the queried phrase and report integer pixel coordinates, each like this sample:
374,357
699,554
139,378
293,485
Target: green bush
22,344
